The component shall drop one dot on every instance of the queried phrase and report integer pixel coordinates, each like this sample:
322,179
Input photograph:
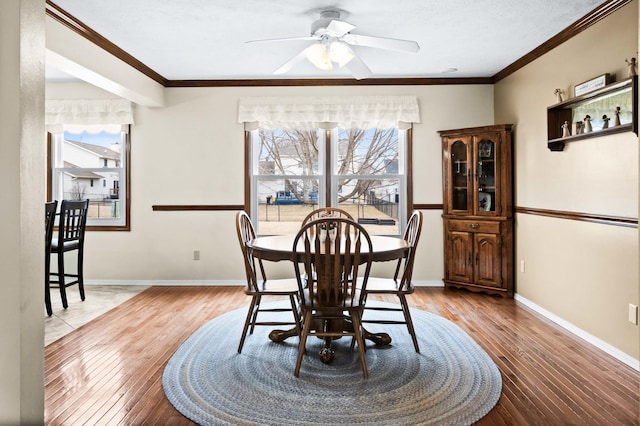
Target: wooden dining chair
400,285
332,247
49,223
70,237
326,212
257,287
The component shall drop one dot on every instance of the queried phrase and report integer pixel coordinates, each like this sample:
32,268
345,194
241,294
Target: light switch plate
633,314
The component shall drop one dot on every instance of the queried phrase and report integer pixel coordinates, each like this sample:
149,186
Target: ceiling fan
332,41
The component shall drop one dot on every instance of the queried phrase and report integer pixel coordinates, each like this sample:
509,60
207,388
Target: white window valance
92,115
328,111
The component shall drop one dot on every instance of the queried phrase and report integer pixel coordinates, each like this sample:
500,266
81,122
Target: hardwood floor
110,370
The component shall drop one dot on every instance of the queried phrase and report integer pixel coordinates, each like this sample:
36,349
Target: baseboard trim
438,283
177,283
601,344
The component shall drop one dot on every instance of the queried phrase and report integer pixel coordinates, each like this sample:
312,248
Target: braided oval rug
452,381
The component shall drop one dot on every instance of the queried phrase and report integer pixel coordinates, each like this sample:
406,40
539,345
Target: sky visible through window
103,138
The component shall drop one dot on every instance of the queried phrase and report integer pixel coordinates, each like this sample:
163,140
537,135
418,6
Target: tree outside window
359,170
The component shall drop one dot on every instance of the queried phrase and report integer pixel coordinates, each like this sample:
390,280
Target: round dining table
276,248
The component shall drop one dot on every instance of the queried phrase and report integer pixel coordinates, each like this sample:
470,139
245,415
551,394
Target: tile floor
98,300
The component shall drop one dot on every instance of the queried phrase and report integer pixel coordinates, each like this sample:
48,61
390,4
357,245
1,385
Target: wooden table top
280,247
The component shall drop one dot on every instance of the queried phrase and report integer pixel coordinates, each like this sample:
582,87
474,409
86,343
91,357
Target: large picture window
362,171
351,152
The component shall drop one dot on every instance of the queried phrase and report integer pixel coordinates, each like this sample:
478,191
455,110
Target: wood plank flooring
110,371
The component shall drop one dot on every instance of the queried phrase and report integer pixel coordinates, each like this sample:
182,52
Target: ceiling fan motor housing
319,26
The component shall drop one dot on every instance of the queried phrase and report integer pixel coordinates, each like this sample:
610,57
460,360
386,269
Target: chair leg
296,315
409,321
47,285
61,280
256,303
81,272
357,330
246,323
47,301
306,326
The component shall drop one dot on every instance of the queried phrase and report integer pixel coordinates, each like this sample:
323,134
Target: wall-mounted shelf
596,104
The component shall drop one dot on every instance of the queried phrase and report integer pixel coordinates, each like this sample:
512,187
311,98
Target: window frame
329,176
126,155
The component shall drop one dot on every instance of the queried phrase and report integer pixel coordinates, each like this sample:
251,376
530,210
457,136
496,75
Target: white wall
21,184
585,273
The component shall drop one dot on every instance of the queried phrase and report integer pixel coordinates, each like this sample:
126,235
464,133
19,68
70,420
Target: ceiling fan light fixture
318,55
340,53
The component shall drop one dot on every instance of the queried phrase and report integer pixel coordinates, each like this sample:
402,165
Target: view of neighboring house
288,168
82,178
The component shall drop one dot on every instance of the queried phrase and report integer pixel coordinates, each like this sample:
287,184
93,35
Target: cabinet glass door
459,175
486,176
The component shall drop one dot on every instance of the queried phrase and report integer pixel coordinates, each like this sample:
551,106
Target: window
350,152
362,171
89,140
77,159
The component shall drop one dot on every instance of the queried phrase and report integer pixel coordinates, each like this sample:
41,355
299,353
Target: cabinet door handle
469,260
477,258
474,226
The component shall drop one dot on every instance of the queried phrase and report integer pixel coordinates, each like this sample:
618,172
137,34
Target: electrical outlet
522,266
196,255
633,314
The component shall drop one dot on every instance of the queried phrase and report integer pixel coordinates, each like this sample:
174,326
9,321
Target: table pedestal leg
327,354
379,339
278,336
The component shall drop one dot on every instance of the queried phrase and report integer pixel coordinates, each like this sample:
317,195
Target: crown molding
576,28
77,26
599,13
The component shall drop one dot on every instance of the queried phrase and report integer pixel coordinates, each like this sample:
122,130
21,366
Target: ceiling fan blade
339,28
358,68
381,42
269,40
291,62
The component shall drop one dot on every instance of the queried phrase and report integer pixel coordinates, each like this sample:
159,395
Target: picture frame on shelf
591,85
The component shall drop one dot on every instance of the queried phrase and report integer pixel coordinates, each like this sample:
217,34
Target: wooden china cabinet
478,209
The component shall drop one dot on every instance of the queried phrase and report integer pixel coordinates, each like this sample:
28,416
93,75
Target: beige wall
584,273
192,152
21,184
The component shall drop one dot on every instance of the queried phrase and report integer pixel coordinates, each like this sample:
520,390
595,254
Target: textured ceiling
205,39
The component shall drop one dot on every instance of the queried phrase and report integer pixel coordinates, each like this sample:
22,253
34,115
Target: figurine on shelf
616,119
633,70
565,129
558,94
605,121
579,127
587,124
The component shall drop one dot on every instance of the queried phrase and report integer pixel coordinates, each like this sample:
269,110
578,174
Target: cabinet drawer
474,226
